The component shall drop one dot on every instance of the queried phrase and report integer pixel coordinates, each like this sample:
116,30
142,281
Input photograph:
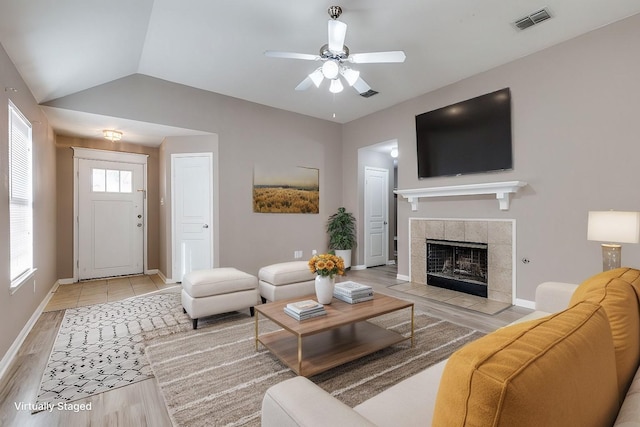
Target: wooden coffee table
315,345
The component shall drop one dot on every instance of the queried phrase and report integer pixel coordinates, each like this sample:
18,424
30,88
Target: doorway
380,156
110,213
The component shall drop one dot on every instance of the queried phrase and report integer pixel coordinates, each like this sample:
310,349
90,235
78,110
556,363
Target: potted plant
341,227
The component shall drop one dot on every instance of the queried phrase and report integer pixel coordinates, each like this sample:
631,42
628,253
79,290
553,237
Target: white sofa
299,402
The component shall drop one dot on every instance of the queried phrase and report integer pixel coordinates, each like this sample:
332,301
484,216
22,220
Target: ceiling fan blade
290,55
377,57
337,33
305,84
361,86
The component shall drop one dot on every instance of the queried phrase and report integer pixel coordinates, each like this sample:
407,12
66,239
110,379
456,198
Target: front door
110,219
376,212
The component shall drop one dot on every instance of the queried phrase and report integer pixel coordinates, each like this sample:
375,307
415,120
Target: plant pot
346,257
324,289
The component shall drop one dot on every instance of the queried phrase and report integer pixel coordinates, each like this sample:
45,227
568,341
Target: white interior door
192,213
376,213
110,219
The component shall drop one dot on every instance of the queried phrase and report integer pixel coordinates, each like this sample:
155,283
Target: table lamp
614,227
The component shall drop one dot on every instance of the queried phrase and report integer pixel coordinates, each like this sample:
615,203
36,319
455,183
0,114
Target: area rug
100,347
215,376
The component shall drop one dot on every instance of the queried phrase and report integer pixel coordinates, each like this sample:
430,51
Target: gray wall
248,133
16,309
575,136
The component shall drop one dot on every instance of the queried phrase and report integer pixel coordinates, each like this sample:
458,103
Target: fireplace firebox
459,266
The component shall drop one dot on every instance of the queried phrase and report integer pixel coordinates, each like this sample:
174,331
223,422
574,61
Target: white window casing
20,198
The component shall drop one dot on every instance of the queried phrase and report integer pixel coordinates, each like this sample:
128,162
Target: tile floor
104,290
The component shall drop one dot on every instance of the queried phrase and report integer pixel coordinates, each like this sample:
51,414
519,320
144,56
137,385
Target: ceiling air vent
532,19
369,93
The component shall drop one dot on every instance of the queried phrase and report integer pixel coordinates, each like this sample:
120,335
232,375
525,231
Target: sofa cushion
556,371
285,273
615,291
408,403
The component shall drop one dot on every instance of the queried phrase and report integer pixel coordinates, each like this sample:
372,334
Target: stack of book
352,292
306,309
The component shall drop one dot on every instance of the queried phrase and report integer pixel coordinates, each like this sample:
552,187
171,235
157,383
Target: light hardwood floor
141,404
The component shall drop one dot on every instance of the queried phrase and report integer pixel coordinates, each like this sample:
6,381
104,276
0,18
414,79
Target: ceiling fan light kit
351,76
336,86
330,69
334,55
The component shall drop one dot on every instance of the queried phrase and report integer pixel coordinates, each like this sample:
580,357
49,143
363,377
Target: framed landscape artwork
293,189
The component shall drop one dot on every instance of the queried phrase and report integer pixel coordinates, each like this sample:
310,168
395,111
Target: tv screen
468,137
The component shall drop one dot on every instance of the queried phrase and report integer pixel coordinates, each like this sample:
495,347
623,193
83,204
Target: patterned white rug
100,347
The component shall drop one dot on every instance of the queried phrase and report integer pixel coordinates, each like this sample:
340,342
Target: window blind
20,194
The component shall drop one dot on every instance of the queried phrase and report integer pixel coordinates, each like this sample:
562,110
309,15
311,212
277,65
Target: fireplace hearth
459,266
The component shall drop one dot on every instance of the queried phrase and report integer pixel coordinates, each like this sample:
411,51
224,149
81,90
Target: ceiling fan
335,56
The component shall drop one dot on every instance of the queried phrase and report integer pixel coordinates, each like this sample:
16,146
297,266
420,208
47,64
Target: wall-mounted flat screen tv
472,136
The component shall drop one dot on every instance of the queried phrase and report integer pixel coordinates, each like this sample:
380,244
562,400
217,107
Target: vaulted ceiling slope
66,46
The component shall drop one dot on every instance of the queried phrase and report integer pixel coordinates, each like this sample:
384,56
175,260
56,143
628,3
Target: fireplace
459,266
497,234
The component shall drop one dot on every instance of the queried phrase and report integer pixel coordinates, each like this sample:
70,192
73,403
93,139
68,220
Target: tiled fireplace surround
497,234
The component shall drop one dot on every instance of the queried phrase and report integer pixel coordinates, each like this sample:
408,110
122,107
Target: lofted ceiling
65,46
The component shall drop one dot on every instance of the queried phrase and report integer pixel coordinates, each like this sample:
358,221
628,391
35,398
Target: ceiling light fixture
336,86
351,76
394,152
112,135
330,69
316,77
335,56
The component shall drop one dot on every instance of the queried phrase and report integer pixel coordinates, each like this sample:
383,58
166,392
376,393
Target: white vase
324,289
346,257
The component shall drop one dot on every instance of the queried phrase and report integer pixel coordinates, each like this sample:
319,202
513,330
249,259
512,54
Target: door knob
205,226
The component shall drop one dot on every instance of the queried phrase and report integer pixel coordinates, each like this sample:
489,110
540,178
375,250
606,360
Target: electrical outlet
297,254
314,252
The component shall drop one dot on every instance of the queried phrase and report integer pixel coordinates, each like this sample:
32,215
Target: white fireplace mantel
502,190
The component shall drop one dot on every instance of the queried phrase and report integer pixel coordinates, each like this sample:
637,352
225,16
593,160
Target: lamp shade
330,69
336,86
614,226
316,77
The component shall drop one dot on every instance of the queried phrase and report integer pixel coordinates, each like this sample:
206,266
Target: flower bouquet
326,265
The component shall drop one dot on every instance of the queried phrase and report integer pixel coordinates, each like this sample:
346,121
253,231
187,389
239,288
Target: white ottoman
219,290
286,280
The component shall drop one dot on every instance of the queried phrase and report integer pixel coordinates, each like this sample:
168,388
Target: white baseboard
391,262
358,267
403,277
164,278
151,272
65,281
525,303
13,350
